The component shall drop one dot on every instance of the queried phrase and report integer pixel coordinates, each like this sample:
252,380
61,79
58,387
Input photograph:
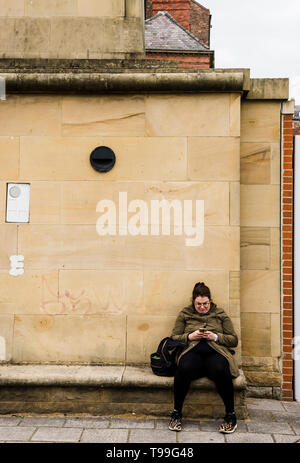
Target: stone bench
106,390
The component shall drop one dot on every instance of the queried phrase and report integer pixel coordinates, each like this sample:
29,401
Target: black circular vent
102,159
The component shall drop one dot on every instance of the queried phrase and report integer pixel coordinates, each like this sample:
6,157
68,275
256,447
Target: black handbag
163,361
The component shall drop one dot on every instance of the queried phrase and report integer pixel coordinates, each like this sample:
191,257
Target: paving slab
260,415
9,420
264,404
152,436
296,427
16,433
42,421
286,417
78,422
270,428
105,436
48,434
213,426
186,425
201,438
118,423
249,438
292,407
285,439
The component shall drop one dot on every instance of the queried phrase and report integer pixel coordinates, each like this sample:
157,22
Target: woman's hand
198,335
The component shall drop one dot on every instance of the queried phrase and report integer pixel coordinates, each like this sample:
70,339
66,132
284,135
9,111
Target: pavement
270,421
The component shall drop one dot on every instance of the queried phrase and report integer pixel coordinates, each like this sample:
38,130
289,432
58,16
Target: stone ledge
103,376
96,83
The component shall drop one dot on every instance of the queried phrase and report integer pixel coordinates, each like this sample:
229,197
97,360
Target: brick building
178,30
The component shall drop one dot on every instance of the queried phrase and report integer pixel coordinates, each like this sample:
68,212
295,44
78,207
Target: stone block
59,339
79,37
260,121
275,335
103,115
235,115
32,36
188,115
221,250
256,334
45,202
260,404
260,205
136,158
201,438
152,436
263,378
275,164
260,291
255,248
105,436
63,435
80,199
255,163
16,433
7,36
30,115
112,8
275,249
8,244
167,292
286,439
234,204
42,421
144,334
119,423
41,8
214,194
12,8
270,428
30,293
249,438
219,155
9,159
87,422
100,292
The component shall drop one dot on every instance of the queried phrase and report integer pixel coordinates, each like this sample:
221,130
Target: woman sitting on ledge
209,333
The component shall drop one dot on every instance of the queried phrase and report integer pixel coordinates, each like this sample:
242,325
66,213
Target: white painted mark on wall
2,348
16,265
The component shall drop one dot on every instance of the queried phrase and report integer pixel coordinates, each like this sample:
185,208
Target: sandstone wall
260,241
71,29
89,298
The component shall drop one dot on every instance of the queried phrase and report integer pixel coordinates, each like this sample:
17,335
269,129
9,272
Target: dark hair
200,289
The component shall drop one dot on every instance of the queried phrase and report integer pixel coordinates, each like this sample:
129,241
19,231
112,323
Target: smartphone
202,330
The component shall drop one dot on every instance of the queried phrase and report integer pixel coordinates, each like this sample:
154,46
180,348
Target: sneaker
176,421
229,424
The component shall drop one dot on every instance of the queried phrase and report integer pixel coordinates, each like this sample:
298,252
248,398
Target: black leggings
194,365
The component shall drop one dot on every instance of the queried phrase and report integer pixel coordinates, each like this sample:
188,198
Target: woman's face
202,304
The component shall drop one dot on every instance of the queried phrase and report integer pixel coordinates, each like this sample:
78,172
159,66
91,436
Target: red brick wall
287,257
200,22
204,61
179,9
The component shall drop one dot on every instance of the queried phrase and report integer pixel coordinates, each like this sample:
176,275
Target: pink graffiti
67,302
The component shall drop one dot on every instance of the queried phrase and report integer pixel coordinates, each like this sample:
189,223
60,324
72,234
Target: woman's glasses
204,304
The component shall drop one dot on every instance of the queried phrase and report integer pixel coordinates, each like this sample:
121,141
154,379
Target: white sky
263,35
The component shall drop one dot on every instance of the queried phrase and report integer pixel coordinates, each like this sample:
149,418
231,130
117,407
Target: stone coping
129,82
100,376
